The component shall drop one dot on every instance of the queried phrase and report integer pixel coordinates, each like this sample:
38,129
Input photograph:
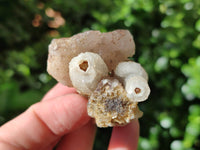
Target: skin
60,119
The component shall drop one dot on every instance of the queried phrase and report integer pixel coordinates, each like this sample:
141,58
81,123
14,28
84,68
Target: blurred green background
167,37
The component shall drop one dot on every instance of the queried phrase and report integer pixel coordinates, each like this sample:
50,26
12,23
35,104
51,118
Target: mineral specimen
96,65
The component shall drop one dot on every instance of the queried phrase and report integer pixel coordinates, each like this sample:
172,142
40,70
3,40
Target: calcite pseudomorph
97,65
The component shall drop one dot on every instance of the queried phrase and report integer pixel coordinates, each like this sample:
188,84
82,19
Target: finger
125,138
58,90
45,122
81,139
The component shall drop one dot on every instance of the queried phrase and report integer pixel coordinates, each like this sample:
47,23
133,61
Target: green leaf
197,25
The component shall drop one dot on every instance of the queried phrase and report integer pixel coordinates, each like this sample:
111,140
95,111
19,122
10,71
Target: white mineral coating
137,88
113,47
86,70
125,69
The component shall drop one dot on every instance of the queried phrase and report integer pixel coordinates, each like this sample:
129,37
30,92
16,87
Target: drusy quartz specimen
97,65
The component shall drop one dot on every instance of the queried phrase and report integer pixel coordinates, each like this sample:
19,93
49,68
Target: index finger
126,137
44,123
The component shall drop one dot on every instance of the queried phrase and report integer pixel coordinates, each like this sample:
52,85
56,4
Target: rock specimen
96,65
112,47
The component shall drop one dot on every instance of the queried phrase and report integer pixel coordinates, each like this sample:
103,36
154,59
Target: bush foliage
167,37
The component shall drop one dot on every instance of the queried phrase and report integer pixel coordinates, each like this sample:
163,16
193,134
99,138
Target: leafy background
167,37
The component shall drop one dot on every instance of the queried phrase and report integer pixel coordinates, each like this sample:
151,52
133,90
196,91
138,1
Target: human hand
61,119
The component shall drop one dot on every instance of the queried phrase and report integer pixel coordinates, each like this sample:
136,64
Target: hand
61,119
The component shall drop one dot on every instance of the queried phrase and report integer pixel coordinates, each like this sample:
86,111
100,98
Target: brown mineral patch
137,90
84,66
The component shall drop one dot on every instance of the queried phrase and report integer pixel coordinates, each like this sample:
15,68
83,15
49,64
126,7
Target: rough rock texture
110,106
113,47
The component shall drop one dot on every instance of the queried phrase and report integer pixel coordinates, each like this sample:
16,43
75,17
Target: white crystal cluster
135,80
86,70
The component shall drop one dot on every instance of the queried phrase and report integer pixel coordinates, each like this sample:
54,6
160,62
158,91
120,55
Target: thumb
44,123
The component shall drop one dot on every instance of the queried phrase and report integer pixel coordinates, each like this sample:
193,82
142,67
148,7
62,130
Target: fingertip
126,137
